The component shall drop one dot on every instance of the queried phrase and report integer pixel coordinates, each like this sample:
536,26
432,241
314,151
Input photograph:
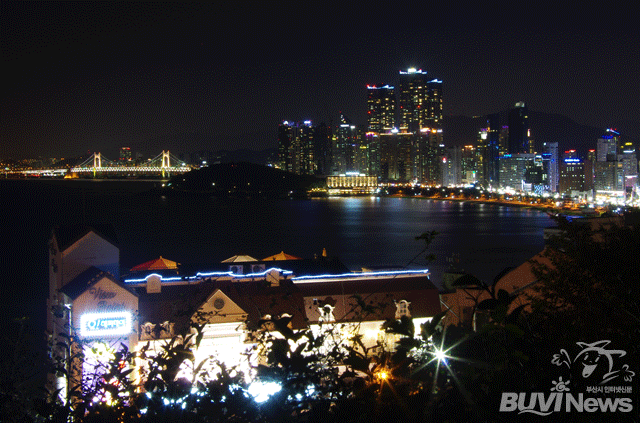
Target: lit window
402,309
326,313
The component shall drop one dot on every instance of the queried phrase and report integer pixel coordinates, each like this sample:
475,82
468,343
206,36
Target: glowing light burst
441,356
261,391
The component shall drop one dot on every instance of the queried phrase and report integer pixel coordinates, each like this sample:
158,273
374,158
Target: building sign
105,300
105,324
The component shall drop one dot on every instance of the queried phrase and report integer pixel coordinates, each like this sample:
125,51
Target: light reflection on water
362,231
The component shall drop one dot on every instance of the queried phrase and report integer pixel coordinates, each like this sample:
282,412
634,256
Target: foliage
590,290
328,373
20,370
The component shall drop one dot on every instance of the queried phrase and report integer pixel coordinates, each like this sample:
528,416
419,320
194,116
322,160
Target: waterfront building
468,165
159,301
372,141
513,168
296,147
352,183
536,176
572,176
428,153
396,156
459,166
451,167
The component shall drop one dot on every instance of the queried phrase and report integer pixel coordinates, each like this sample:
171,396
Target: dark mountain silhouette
545,127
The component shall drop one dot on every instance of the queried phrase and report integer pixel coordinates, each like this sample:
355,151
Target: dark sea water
361,231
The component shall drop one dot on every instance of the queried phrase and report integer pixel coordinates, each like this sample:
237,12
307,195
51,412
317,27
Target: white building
148,309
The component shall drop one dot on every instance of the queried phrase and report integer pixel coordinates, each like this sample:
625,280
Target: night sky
90,76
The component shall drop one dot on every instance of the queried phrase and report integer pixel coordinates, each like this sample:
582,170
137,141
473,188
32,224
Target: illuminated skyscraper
297,148
518,129
607,146
420,101
572,175
285,146
609,173
346,140
628,161
396,158
551,148
125,154
381,108
488,152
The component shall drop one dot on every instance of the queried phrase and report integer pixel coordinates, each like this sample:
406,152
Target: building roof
85,280
156,264
241,258
67,235
281,256
178,303
315,266
379,292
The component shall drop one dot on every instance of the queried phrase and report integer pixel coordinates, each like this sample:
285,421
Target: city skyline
86,76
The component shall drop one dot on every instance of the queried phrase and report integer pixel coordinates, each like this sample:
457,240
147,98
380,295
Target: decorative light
361,275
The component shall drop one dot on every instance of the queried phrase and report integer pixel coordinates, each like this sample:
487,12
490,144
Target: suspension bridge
96,164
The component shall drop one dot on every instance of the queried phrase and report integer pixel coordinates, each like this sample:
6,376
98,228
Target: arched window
326,313
402,309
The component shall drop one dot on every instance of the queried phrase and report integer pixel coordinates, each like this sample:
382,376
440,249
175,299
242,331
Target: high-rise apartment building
396,156
488,151
420,101
285,146
125,154
452,167
381,108
297,148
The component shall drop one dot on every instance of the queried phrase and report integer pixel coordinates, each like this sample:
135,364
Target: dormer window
402,309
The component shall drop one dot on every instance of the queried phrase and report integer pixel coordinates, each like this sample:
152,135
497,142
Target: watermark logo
594,363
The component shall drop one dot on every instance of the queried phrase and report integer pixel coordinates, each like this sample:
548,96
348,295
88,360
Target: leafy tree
591,289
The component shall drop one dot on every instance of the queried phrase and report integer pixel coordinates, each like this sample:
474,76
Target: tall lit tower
125,154
381,108
285,146
420,101
551,148
606,148
518,129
